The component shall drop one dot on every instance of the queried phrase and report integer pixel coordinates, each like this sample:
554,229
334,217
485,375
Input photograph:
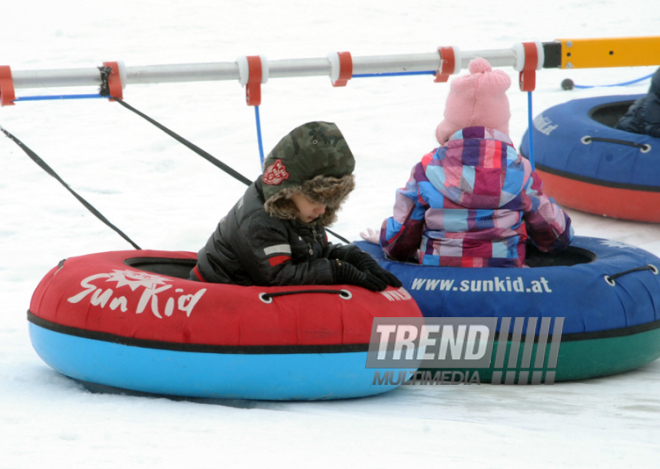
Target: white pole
229,70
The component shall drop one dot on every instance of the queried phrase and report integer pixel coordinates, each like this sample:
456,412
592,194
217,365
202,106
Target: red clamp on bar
7,93
529,59
341,68
253,87
449,58
115,82
252,73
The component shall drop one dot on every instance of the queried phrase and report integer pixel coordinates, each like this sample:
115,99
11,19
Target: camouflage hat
310,150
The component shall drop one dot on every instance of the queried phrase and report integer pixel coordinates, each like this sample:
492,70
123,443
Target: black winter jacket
643,117
250,247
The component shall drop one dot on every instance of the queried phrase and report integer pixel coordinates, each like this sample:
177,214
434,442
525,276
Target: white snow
166,197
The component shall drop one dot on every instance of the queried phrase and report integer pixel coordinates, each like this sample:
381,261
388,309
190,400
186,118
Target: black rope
611,278
268,296
42,164
643,146
340,238
207,156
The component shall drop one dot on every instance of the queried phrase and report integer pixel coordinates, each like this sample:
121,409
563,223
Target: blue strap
259,139
616,84
57,97
364,75
393,74
530,130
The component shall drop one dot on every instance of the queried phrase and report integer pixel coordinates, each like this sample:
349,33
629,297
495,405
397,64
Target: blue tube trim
309,376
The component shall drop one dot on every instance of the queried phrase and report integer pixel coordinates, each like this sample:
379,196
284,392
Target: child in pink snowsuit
473,202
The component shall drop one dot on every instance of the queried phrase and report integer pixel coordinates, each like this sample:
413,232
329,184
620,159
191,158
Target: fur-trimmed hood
314,160
330,191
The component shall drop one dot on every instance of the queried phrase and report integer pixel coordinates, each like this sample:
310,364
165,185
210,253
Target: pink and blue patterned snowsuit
472,203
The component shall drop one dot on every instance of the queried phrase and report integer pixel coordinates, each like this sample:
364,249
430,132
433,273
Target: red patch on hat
275,174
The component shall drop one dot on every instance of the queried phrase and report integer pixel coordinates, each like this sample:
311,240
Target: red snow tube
132,320
145,295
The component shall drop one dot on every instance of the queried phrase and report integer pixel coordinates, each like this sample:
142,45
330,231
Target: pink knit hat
478,99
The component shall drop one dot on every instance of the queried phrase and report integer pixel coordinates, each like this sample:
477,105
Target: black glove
343,272
365,263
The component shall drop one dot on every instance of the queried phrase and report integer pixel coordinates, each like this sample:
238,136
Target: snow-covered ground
166,197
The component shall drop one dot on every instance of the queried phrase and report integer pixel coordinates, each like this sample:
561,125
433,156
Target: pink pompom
480,65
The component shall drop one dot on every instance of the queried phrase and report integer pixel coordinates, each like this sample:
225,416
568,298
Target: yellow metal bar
610,52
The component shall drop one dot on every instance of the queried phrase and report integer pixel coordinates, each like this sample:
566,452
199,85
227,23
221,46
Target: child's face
308,211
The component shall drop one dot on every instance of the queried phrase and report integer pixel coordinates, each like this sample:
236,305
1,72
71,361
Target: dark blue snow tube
587,164
571,284
607,292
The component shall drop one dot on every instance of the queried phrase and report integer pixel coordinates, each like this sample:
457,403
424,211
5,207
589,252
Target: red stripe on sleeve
198,274
276,260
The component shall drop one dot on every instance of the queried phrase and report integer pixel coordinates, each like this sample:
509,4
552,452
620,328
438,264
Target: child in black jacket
275,234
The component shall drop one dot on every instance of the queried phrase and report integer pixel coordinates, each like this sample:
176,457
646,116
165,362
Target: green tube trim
577,360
